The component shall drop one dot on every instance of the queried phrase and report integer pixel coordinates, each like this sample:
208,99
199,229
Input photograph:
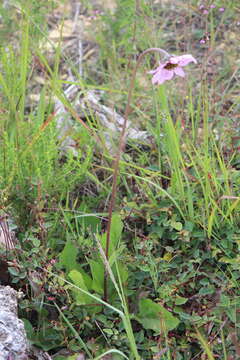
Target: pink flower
173,66
221,9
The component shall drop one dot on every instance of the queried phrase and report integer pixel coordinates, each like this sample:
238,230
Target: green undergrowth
173,267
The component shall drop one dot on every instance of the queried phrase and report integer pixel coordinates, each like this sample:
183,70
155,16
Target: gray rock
13,339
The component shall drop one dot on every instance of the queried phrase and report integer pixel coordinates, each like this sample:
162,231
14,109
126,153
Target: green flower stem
120,150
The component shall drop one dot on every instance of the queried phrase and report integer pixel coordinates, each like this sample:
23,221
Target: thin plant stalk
205,345
123,315
223,345
120,150
77,336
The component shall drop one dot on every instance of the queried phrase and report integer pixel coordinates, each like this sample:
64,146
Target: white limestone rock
13,339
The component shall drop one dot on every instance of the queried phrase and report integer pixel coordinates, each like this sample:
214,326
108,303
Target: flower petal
167,74
179,71
173,60
152,71
162,76
173,66
159,68
156,78
184,60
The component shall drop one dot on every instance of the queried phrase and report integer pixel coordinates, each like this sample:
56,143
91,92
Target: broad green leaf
231,313
28,328
176,225
116,254
154,316
68,256
115,235
180,300
88,222
77,279
97,270
123,272
13,271
68,260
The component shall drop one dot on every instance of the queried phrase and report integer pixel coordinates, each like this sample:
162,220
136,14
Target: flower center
170,66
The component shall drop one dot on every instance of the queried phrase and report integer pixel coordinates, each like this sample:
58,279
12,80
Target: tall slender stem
121,147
